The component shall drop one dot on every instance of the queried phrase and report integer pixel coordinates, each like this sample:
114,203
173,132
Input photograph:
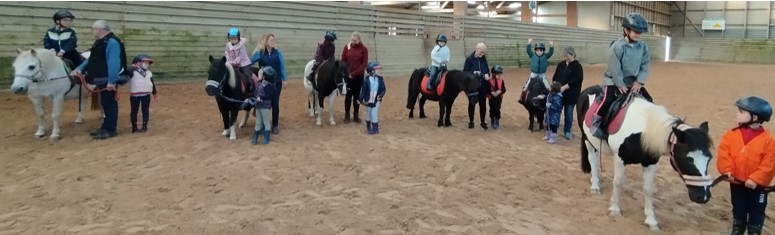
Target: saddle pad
439,88
615,116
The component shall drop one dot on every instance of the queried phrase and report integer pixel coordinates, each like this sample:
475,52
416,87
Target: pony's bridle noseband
35,77
691,180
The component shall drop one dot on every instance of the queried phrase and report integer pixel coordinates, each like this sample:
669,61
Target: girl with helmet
141,88
628,67
497,89
263,103
61,38
325,51
746,155
439,60
237,55
539,62
372,92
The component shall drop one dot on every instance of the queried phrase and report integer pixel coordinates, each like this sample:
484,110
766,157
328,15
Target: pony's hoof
654,227
78,121
225,133
614,212
55,138
241,125
39,136
440,124
233,138
448,124
312,114
422,117
318,124
332,123
595,190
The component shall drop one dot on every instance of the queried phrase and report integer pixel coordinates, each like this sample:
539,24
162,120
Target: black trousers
481,99
140,101
353,93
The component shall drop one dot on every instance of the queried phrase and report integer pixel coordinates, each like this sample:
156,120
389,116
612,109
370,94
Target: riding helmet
233,32
330,36
441,37
636,22
540,46
756,105
269,74
142,57
372,66
61,14
496,69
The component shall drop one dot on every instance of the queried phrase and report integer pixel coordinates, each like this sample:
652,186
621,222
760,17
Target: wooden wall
180,35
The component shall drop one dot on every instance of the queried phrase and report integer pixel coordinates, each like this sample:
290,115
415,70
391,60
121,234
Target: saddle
611,122
439,84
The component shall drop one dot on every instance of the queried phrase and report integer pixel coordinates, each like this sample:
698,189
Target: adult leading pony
647,131
40,74
535,103
222,82
330,80
455,82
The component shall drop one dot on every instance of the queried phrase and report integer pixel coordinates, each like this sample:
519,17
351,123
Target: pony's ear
211,58
32,51
679,134
223,59
704,126
19,51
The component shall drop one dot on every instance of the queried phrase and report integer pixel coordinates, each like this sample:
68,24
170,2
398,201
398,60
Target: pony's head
217,74
537,93
28,67
688,148
338,69
690,157
471,83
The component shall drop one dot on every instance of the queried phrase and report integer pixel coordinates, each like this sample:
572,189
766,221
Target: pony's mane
659,125
232,76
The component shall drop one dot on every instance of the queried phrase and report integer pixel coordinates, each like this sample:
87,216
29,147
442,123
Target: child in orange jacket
746,154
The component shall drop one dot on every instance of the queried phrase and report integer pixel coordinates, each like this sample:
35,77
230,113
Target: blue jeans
568,117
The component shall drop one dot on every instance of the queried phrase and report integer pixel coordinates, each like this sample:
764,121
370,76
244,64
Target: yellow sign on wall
713,24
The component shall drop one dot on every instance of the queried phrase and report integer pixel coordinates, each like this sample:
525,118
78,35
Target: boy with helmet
628,67
539,62
141,88
61,38
746,155
263,103
325,51
237,56
372,91
439,60
497,89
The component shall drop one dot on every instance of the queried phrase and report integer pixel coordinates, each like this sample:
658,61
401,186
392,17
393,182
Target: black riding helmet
61,14
269,74
496,69
756,105
330,36
636,22
540,46
441,37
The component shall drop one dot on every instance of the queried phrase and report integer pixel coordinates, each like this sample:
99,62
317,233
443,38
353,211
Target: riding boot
493,123
145,127
266,137
552,138
255,136
568,135
497,123
134,127
754,230
374,128
346,116
483,125
368,127
596,129
546,135
470,125
738,228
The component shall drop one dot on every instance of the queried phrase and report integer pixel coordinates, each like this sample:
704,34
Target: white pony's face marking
26,67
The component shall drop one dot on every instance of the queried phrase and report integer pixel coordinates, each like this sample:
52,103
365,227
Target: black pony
535,102
229,90
456,81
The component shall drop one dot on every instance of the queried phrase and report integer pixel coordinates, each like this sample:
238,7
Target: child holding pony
553,111
262,99
372,92
746,155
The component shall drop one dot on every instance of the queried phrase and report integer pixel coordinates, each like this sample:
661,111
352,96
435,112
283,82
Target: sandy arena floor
183,177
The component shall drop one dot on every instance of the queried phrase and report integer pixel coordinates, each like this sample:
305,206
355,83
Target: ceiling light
471,2
480,7
515,5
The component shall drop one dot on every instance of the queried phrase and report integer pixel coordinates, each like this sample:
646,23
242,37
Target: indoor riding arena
183,176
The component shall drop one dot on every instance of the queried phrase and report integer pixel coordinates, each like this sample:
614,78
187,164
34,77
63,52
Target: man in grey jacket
628,67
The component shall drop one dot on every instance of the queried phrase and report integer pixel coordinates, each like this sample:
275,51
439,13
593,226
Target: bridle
35,77
691,180
220,85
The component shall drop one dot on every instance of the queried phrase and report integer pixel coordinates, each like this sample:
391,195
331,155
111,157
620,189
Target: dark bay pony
535,103
330,80
229,90
456,81
645,132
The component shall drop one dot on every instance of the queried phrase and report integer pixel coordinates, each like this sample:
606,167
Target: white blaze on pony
40,74
647,132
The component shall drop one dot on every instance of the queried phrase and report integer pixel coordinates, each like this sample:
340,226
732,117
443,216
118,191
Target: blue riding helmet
141,58
269,74
636,22
496,69
441,37
330,36
233,33
372,66
756,105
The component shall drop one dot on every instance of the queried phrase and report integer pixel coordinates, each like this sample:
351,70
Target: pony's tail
586,167
411,94
95,102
